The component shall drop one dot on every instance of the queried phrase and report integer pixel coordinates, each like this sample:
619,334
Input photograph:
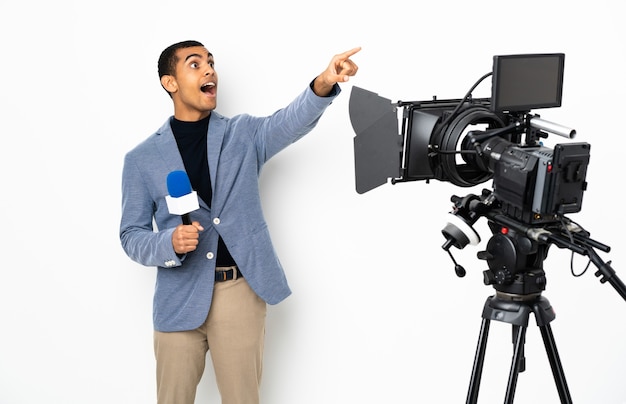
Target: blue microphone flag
178,184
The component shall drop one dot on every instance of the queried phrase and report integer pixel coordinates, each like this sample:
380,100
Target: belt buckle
224,273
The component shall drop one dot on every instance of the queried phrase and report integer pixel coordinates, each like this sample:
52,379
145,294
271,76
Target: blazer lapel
215,138
168,149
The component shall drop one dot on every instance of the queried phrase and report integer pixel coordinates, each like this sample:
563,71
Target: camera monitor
525,82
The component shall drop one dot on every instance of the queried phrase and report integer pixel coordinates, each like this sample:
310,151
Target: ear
169,83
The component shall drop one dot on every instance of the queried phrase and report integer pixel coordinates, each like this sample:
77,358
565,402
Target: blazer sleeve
292,122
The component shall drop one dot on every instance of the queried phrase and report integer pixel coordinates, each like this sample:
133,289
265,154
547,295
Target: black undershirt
191,138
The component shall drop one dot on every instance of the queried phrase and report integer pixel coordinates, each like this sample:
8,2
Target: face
194,87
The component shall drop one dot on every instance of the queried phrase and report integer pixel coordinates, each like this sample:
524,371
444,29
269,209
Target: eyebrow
209,56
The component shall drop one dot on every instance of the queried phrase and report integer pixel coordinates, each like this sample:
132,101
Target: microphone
181,199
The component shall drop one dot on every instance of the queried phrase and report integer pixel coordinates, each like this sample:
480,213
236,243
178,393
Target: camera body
537,184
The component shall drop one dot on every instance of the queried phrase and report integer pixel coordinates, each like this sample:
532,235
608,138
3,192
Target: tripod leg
555,364
522,363
479,359
518,353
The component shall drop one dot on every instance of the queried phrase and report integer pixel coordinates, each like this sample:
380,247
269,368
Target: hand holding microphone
180,201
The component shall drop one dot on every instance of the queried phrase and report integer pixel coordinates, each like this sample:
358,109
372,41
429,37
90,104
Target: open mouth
208,88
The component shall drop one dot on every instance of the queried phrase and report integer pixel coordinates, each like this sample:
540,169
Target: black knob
503,276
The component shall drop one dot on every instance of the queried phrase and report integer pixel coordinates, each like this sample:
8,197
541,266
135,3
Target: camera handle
583,245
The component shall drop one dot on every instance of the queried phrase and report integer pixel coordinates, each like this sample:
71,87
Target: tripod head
516,250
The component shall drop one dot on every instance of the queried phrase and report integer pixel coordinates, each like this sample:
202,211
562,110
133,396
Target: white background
377,314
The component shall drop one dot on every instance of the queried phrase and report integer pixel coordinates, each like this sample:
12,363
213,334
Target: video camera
468,141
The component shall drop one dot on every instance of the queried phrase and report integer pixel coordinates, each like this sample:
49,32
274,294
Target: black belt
221,276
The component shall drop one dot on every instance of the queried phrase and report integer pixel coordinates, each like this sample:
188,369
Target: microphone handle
186,219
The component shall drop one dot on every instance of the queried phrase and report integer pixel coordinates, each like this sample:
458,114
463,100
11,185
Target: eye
194,65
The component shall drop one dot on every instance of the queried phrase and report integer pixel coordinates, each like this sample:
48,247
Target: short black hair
168,59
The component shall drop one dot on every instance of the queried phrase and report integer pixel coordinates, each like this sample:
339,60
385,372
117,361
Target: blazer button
210,255
216,220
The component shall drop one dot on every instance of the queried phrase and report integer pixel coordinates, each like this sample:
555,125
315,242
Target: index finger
349,53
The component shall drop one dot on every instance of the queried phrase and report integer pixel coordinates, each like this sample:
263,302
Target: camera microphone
181,199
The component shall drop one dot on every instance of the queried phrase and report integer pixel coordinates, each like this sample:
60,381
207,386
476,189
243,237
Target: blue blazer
237,149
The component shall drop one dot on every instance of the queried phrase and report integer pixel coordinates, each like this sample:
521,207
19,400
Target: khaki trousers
233,333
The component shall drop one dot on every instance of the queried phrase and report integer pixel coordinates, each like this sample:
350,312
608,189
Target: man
215,275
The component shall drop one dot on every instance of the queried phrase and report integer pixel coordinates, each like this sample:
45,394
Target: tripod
510,309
